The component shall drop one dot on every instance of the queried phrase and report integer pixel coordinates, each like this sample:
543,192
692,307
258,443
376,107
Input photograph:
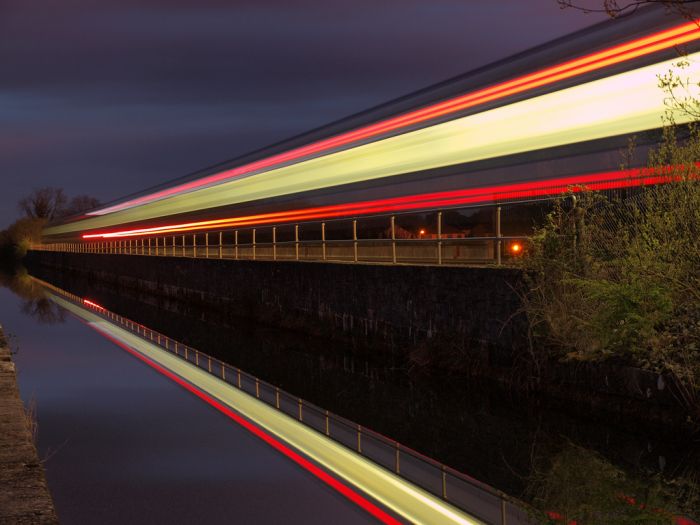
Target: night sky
108,97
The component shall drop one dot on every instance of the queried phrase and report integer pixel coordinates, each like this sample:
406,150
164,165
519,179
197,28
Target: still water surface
123,444
598,470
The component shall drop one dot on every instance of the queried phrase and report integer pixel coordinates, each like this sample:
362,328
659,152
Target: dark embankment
461,321
24,496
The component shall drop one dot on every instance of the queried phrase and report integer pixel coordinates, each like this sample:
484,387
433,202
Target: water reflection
35,303
115,449
579,485
569,468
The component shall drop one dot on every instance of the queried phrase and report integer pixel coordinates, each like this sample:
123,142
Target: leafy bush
18,237
619,278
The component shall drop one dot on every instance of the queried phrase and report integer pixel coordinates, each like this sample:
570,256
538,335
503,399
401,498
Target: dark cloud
107,97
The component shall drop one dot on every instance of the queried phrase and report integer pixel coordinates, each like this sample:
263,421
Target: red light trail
319,473
617,54
525,190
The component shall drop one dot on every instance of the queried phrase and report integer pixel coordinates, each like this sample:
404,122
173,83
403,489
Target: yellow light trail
621,104
405,499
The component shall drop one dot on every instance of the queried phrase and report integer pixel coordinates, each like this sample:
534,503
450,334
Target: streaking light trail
549,187
636,48
334,464
618,105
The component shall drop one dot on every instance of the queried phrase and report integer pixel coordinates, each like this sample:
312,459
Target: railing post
184,249
274,243
398,461
221,245
439,235
253,243
301,414
257,388
149,246
157,252
323,240
393,239
277,397
296,241
206,245
194,245
328,426
354,239
498,234
503,511
235,234
359,439
444,483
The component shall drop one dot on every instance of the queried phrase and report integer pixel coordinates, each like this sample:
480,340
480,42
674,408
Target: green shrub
619,278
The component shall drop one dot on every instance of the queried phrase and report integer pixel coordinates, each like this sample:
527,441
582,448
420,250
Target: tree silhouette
80,204
43,203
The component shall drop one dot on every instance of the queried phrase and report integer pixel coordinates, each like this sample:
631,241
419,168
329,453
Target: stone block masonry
378,306
461,320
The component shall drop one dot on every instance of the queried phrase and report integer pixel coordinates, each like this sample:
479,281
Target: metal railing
393,245
476,498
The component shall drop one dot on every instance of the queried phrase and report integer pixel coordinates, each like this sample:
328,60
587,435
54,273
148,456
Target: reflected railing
437,237
476,498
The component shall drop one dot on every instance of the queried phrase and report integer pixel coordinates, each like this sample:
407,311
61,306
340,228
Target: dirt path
24,496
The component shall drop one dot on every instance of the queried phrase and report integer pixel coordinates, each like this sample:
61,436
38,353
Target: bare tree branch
617,8
43,203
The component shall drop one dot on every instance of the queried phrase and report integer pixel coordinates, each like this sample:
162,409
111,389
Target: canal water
113,431
123,444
